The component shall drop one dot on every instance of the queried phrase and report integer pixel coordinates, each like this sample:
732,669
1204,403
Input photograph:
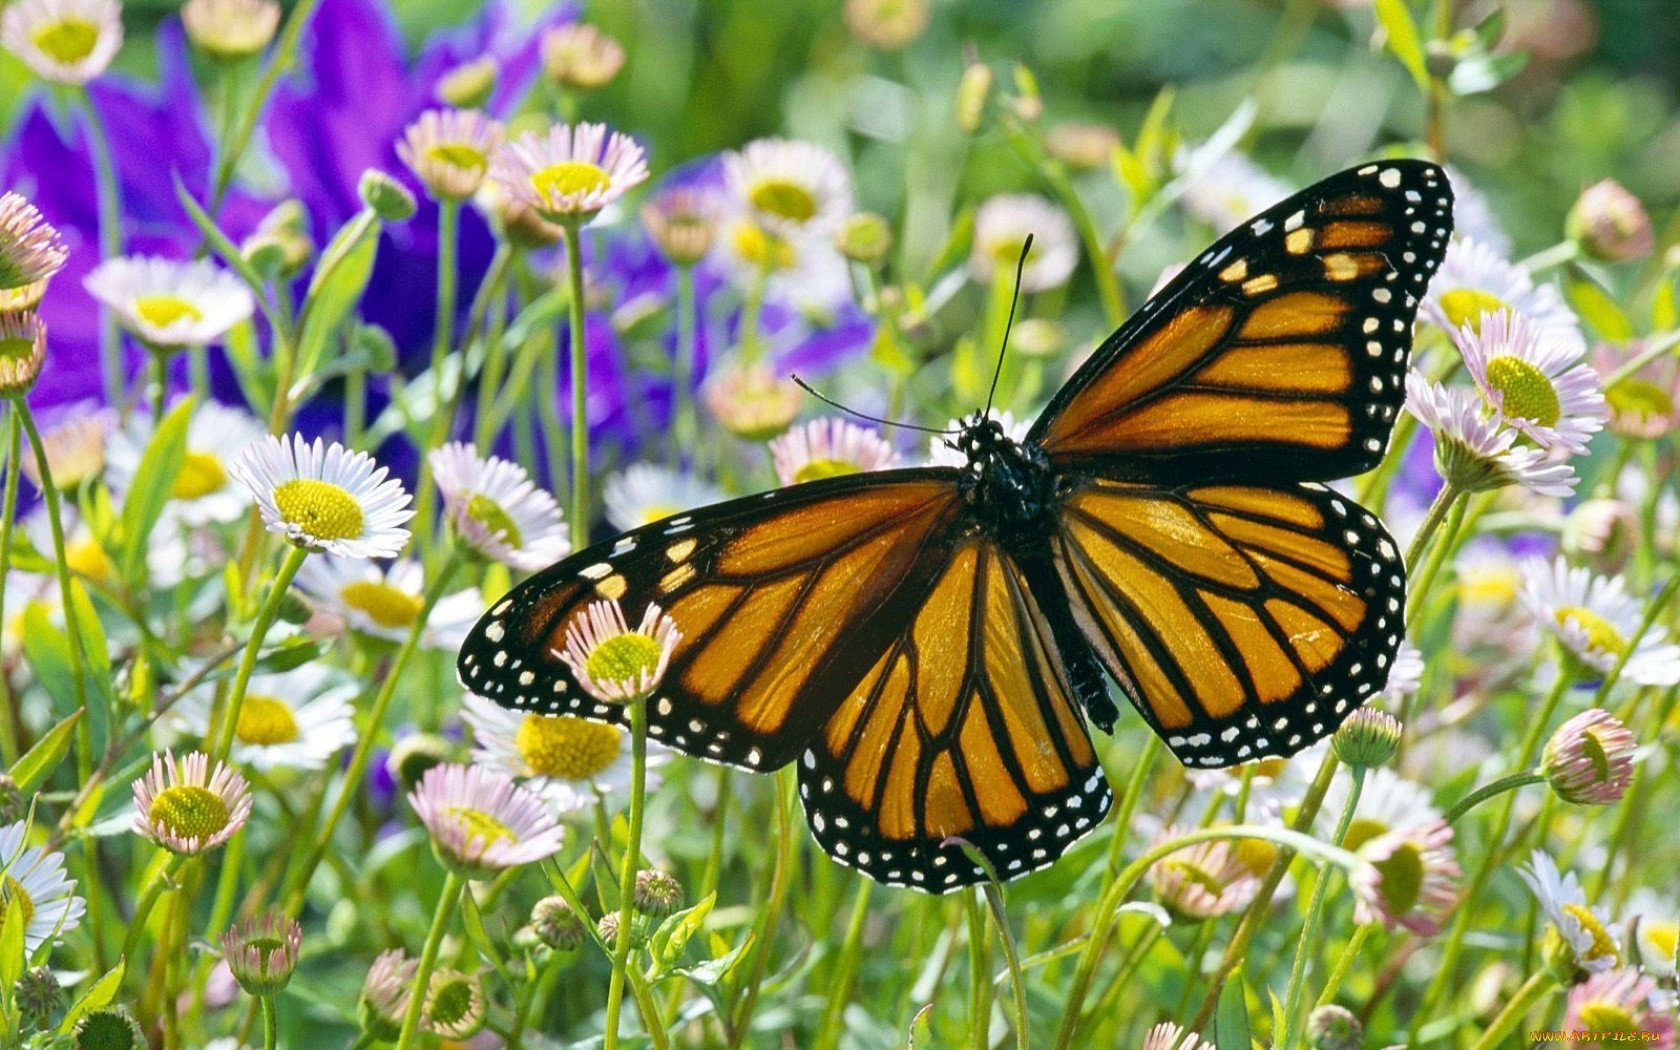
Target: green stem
280,61
1655,350
750,336
1425,581
495,353
844,977
765,923
148,899
1539,987
580,391
110,246
266,616
271,1023
979,988
1556,255
9,718
1498,787
685,434
443,341
720,823
1344,963
631,861
357,768
453,884
1432,520
1012,956
160,382
1308,944
72,618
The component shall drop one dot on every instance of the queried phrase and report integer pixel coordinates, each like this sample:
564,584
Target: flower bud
887,24
13,806
1610,224
389,199
38,997
1368,738
581,57
1332,1027
1037,337
973,92
108,1029
263,952
230,29
1589,759
557,925
415,754
1601,532
657,893
865,237
470,84
1083,147
23,349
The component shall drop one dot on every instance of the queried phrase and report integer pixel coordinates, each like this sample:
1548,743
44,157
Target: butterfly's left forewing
965,728
784,600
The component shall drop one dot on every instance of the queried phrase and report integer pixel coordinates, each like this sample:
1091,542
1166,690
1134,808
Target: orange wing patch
1242,621
965,727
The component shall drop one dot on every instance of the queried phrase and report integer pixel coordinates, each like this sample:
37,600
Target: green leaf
338,283
1230,1017
96,997
12,927
224,247
160,465
96,650
1665,311
34,765
47,652
1401,33
1596,307
675,932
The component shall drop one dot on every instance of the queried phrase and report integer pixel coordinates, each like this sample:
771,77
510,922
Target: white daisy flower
169,304
1388,803
943,451
481,821
449,151
829,448
31,251
1585,931
297,719
1228,189
325,497
572,763
613,662
1595,617
64,41
579,56
1654,932
1405,674
645,493
1168,1036
35,878
75,440
497,510
1540,385
794,188
1001,226
805,272
231,29
188,806
384,601
23,349
1475,450
204,492
570,172
1475,281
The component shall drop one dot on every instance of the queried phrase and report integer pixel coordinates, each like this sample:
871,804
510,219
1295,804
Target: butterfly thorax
1006,482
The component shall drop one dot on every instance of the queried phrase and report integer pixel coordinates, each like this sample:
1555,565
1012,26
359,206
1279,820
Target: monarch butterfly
928,643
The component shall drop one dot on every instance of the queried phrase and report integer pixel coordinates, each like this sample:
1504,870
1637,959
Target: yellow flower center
480,825
1255,856
323,511
1599,1016
1496,587
1195,875
567,748
1602,637
87,558
161,311
623,658
1661,938
266,721
1363,830
458,155
1007,251
389,607
1639,397
658,512
760,247
69,40
12,890
189,811
1402,878
1467,306
783,198
818,469
1603,946
569,177
201,474
15,351
489,513
1529,394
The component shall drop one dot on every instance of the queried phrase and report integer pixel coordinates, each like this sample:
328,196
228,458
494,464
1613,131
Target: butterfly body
927,644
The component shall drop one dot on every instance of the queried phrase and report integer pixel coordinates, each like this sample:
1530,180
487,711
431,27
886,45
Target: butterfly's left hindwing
1279,354
783,600
965,727
1242,621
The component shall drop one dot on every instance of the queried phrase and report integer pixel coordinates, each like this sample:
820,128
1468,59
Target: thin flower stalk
11,716
267,613
1307,946
580,388
628,866
448,900
281,58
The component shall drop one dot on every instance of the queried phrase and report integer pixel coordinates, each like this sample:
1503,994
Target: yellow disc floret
569,177
68,40
322,510
389,607
201,474
161,311
623,658
1528,393
266,721
567,748
188,811
784,199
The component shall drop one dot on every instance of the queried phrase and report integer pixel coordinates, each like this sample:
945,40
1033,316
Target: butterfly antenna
1014,299
825,399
